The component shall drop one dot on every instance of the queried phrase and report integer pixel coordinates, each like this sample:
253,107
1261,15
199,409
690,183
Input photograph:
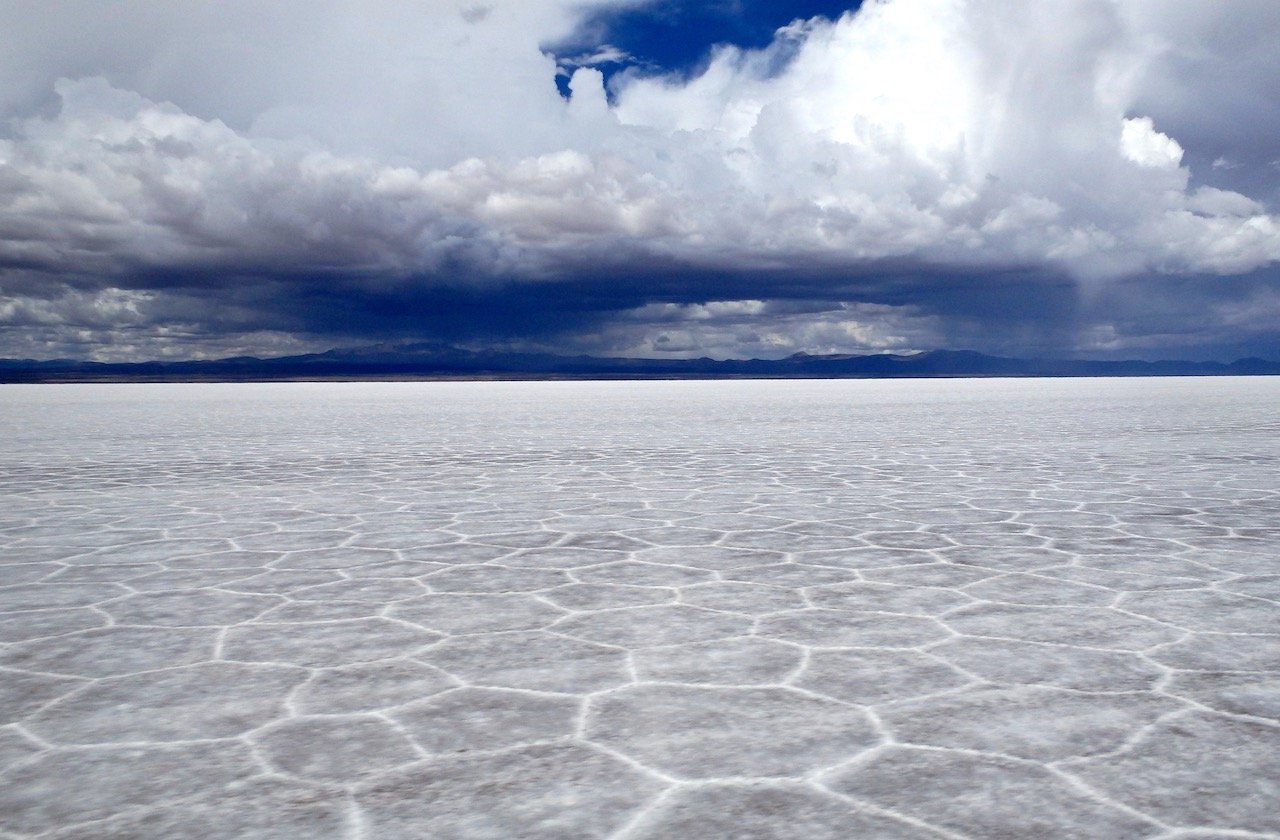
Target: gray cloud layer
229,181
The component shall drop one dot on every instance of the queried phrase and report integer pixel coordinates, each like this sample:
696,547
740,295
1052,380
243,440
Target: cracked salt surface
986,609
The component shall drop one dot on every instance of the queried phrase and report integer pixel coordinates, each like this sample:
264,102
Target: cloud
955,132
603,54
764,329
405,82
475,14
116,185
396,152
1142,144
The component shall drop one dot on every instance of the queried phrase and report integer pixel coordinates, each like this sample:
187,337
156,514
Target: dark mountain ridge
430,360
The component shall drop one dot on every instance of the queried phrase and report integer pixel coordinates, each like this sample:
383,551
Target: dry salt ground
632,610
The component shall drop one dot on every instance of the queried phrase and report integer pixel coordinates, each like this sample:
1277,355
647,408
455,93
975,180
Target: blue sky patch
675,37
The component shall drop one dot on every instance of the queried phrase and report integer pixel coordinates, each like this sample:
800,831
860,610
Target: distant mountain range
440,361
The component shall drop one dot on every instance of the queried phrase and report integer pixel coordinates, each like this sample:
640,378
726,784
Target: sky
662,178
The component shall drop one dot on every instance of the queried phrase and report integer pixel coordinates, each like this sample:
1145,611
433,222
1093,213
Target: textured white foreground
1014,609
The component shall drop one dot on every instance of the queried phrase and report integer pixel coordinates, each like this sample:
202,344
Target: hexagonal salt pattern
963,609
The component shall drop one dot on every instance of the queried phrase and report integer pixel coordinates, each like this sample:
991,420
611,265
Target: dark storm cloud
1010,177
664,308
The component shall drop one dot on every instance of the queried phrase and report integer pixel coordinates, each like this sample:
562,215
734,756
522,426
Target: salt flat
847,609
